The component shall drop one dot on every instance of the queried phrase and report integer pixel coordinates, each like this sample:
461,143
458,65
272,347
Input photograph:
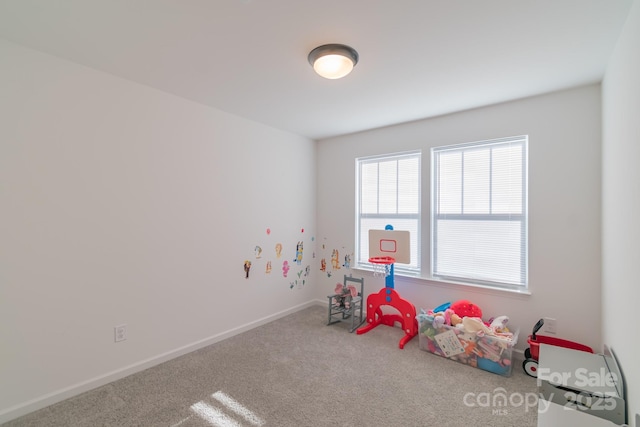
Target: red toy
375,316
464,308
389,296
532,354
382,244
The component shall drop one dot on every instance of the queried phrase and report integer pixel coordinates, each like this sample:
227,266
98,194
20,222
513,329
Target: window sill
407,277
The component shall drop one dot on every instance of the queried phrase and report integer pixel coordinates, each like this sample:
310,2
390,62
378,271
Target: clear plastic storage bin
488,352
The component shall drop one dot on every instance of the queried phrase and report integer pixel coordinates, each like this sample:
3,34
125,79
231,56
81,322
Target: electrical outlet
120,333
550,326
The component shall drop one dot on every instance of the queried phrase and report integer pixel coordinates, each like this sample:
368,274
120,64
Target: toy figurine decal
335,260
247,267
298,258
262,258
347,261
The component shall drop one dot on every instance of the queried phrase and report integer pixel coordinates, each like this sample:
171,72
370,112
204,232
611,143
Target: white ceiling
418,58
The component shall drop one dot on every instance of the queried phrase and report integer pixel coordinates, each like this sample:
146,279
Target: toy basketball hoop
381,265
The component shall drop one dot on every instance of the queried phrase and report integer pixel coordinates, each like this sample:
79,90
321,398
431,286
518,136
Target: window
479,212
388,192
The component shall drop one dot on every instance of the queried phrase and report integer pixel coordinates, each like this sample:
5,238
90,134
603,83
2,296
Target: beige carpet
297,371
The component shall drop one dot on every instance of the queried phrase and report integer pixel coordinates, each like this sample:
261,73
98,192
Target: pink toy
344,295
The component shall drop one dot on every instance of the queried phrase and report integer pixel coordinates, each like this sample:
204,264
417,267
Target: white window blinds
479,212
388,192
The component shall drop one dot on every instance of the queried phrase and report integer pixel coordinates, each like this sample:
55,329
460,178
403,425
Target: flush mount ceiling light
333,61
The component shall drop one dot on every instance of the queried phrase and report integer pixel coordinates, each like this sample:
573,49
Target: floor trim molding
27,407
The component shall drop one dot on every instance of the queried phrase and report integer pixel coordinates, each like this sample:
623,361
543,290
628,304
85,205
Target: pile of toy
457,331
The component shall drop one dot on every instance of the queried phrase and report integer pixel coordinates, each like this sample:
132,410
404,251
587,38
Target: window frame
522,217
414,268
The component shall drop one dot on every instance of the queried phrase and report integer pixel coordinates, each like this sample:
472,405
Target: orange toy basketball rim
385,260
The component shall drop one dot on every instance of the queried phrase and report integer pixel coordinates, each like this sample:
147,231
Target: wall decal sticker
300,282
298,258
285,268
258,251
347,261
247,267
278,250
335,260
268,268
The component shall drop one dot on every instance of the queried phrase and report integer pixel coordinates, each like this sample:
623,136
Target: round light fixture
333,61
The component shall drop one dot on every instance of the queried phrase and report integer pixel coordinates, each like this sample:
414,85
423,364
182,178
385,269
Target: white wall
621,206
564,206
123,204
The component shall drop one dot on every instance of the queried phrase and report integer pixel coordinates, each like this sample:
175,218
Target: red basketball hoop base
375,316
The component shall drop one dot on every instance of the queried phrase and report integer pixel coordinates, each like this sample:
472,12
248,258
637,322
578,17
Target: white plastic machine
579,388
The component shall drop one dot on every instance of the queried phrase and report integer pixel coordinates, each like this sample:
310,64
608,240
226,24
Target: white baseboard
27,407
40,402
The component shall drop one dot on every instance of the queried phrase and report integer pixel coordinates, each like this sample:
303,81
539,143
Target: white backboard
393,243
